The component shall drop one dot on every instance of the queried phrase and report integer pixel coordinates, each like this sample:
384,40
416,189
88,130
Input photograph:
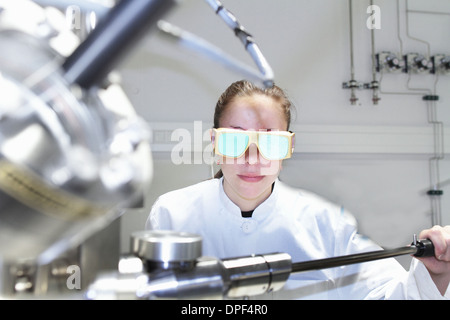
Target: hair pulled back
244,88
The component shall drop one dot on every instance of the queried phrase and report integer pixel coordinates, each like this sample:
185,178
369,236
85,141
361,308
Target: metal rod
209,50
246,39
375,84
126,23
352,66
351,259
353,98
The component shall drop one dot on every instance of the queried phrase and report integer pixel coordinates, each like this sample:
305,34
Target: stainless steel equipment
73,153
169,265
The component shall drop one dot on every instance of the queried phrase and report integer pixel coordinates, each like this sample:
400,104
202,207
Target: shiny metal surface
205,281
255,275
209,278
166,246
117,286
200,278
71,160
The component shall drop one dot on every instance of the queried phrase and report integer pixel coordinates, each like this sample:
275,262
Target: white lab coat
296,222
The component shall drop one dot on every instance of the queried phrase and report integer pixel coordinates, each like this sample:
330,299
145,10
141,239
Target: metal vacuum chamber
72,158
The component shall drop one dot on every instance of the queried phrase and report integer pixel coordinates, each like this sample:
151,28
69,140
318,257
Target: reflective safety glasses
272,145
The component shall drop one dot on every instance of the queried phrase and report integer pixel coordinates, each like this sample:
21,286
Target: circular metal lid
166,245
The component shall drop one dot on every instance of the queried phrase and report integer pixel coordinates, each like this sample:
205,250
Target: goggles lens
232,144
276,145
273,147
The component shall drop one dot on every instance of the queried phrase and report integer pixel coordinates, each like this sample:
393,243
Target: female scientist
247,210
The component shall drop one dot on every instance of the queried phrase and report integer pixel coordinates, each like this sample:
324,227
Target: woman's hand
439,265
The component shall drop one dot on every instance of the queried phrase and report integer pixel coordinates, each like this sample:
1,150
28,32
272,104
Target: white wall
373,159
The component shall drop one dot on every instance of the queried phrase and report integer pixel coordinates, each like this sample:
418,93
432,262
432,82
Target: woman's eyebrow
265,129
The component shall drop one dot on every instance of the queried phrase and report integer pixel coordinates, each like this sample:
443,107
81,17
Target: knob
166,246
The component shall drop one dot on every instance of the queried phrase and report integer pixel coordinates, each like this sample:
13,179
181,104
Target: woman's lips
250,178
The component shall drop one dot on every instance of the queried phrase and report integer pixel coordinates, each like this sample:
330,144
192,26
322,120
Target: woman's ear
212,135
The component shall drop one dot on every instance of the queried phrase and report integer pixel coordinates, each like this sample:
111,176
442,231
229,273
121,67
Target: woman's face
248,180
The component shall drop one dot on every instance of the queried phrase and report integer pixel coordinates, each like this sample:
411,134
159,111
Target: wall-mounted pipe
352,84
408,33
430,97
374,85
435,190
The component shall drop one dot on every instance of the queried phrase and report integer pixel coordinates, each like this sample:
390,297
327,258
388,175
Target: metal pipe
428,12
422,248
411,37
251,47
374,84
353,98
438,132
352,67
398,29
126,23
352,84
349,259
209,50
254,275
434,162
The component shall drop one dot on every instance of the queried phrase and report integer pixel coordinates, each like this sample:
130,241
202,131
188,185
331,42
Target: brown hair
244,88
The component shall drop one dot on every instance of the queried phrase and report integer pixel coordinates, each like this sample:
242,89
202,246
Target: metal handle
126,23
419,248
246,39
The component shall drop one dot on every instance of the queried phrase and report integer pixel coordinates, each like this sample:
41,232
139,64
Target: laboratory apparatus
169,265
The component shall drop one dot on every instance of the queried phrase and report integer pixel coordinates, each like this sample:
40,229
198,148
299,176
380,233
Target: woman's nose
252,155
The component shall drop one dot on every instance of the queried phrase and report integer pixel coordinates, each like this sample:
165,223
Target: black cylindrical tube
425,248
351,259
104,47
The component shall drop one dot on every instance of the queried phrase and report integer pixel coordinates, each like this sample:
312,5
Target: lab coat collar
261,212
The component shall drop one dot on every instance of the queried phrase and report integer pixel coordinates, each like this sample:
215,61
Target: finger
440,236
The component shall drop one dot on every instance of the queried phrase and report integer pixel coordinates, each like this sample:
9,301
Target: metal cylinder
351,259
205,281
69,163
177,270
165,249
256,275
112,38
